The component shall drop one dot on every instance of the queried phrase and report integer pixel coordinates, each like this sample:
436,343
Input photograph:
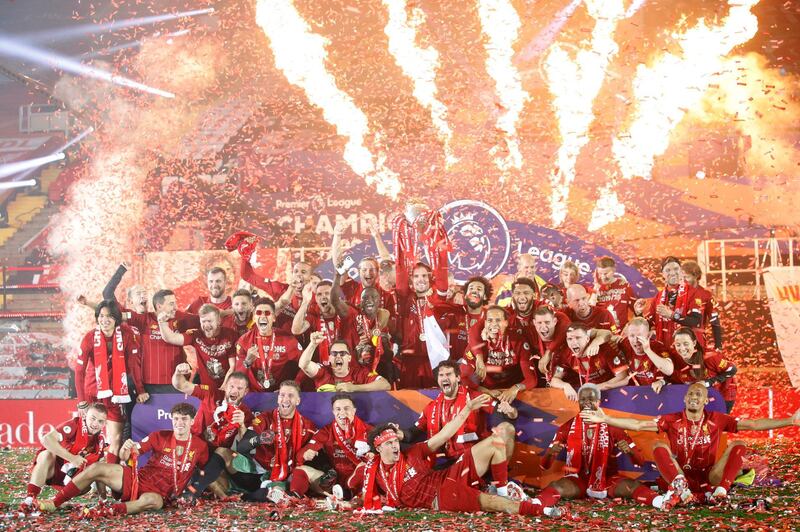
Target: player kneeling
175,455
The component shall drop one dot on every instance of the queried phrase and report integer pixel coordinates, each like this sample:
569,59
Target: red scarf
393,481
588,458
355,431
330,336
405,242
282,460
440,415
117,387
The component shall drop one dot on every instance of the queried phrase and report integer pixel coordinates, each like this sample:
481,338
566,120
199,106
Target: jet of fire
574,85
300,54
420,64
666,90
500,26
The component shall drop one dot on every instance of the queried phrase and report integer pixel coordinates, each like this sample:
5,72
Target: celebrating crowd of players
397,327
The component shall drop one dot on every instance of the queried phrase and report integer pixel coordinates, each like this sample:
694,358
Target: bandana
393,480
117,387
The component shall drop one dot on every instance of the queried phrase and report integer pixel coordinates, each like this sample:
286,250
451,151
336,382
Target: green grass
606,515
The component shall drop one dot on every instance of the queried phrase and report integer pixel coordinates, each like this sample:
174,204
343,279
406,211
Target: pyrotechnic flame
574,85
500,26
675,83
420,64
300,54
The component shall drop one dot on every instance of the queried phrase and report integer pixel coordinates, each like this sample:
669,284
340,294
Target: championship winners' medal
420,310
376,332
267,381
689,450
214,367
422,337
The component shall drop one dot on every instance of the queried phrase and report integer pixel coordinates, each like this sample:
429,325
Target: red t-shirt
614,435
597,369
464,328
357,375
474,429
598,318
166,472
713,364
284,351
556,345
326,439
85,379
210,422
93,447
641,367
159,358
194,306
213,354
618,299
698,449
509,361
265,453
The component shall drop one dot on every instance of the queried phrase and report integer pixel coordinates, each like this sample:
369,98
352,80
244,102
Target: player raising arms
175,455
688,464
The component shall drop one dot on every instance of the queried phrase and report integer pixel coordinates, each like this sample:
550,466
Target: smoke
101,222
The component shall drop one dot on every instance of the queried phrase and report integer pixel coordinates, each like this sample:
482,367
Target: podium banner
783,293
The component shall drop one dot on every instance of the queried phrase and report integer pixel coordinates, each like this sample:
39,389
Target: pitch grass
580,515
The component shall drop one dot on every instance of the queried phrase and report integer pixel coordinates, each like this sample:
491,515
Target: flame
300,54
574,85
419,64
500,26
665,91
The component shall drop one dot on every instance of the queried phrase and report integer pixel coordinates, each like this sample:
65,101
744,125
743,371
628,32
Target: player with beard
706,366
612,291
213,345
221,419
326,321
464,322
526,269
551,333
110,355
291,293
216,283
344,443
66,451
272,447
366,328
581,311
241,319
523,305
510,366
649,361
340,374
673,306
451,399
265,354
592,361
705,300
591,464
409,481
367,270
689,464
175,455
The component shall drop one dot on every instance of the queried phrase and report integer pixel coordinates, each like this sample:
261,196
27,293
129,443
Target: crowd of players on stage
401,325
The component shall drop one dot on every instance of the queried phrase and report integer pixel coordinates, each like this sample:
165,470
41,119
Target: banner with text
783,293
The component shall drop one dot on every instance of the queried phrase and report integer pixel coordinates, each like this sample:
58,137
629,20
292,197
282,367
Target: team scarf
588,458
330,337
244,242
666,326
223,426
282,461
393,481
346,438
441,415
117,386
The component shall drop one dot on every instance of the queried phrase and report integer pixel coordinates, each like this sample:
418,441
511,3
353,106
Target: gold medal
422,337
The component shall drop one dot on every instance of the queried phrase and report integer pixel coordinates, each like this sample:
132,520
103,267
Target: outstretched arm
383,251
113,283
598,416
337,296
768,424
450,429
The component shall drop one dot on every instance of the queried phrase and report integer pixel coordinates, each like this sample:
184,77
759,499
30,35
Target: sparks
300,54
500,26
666,90
419,64
574,85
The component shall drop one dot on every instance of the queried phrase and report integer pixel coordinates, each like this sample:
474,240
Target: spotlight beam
12,48
13,168
128,45
62,34
17,184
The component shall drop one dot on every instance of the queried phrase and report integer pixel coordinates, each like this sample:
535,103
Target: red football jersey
357,375
598,318
213,354
597,369
618,299
474,429
642,369
210,422
509,361
280,349
696,443
159,358
326,439
194,306
714,364
167,472
265,453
